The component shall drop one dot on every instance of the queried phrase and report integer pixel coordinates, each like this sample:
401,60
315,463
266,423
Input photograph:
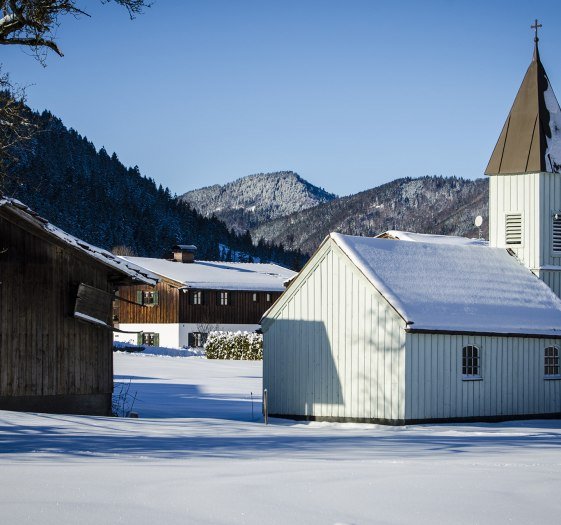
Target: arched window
551,361
471,365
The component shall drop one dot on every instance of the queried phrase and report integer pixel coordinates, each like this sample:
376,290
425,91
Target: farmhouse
434,328
55,316
195,297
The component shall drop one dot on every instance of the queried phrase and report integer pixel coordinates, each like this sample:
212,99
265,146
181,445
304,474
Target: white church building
431,328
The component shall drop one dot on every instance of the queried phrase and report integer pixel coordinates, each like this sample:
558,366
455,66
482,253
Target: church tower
525,177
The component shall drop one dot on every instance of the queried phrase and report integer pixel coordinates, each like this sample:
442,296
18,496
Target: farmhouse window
223,298
268,298
254,297
513,228
556,232
147,298
149,339
471,364
197,339
551,361
196,297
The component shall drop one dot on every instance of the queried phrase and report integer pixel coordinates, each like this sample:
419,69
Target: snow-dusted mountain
250,201
440,205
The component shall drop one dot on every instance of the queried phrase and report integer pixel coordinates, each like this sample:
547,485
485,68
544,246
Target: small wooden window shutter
139,297
191,339
139,338
156,296
156,339
202,297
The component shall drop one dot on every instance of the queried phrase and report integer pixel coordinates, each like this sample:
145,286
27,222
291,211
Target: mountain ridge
251,200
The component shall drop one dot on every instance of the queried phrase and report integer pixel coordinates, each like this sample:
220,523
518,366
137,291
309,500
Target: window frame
255,297
148,298
269,298
468,363
223,298
554,363
196,298
198,339
154,336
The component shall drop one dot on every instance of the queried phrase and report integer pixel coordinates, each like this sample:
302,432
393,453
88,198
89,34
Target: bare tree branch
33,24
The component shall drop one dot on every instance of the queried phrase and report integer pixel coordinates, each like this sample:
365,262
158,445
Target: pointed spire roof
530,141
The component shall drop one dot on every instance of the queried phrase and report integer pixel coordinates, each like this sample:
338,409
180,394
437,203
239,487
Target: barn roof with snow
21,212
439,287
530,141
218,275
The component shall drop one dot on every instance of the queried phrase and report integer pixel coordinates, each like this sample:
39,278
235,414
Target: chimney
184,253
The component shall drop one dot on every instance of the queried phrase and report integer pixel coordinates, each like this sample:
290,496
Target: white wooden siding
512,369
333,347
517,194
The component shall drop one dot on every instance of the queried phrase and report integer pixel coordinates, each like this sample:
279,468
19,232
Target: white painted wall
333,347
174,335
186,329
538,197
516,194
512,370
169,333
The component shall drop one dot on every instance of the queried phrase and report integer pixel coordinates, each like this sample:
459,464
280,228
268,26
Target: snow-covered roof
427,237
123,267
218,275
448,287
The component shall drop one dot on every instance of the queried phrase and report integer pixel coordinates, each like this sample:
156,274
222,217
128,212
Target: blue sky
350,93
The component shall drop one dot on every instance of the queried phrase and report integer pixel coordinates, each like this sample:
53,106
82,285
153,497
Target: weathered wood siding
333,347
44,351
512,370
166,311
240,310
174,307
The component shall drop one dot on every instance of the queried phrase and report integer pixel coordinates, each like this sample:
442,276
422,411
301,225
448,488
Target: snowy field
196,456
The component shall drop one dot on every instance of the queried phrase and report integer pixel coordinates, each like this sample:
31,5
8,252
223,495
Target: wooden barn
194,297
398,332
55,316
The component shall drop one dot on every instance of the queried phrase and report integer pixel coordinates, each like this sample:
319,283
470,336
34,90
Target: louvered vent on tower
556,233
513,224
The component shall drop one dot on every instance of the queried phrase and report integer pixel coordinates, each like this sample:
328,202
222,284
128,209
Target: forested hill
93,196
252,200
441,205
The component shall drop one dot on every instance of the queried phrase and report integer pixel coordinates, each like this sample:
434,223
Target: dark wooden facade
49,360
174,306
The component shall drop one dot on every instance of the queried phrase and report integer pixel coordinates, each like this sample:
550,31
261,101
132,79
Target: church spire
530,141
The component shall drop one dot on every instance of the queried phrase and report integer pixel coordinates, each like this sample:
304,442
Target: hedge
234,345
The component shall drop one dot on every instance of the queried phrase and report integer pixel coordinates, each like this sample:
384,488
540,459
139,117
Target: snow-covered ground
196,456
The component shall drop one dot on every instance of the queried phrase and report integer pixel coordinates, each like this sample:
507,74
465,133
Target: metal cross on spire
535,27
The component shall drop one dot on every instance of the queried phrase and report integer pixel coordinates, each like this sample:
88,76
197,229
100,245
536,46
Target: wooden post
265,406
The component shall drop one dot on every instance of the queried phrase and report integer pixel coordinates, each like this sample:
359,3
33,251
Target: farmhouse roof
218,275
427,237
530,141
446,287
19,211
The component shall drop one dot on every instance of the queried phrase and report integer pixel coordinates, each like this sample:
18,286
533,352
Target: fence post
266,406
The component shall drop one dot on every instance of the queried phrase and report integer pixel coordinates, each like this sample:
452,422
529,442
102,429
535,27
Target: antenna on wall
478,222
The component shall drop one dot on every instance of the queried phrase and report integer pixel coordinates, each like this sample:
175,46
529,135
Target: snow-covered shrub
234,345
